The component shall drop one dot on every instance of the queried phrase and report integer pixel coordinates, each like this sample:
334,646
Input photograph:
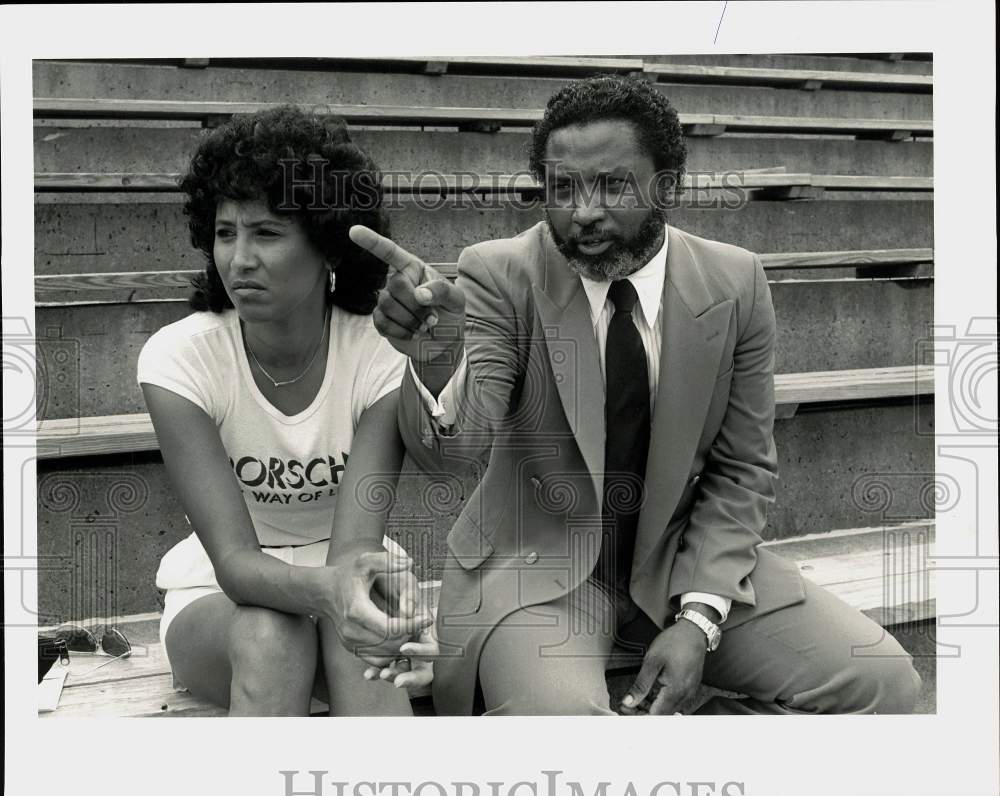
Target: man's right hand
362,626
419,312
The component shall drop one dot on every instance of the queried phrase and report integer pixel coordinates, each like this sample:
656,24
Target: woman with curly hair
275,408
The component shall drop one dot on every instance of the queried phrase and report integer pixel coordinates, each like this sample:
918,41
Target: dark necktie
626,415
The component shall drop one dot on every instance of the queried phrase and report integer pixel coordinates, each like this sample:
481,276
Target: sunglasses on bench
79,639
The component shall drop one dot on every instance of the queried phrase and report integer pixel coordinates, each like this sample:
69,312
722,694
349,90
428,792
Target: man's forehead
600,146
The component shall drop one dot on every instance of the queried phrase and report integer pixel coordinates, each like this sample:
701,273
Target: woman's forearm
369,486
251,577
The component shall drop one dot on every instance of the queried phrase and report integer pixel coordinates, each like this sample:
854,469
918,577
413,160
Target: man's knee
558,703
267,647
883,685
538,695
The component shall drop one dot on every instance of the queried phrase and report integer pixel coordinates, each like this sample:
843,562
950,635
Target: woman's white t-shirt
289,467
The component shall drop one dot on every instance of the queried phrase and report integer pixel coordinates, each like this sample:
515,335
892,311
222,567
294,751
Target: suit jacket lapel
693,337
573,356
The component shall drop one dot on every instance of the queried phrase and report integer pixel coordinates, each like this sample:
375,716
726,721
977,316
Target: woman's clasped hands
414,668
380,615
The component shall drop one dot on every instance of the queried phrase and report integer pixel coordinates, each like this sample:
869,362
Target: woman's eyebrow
257,223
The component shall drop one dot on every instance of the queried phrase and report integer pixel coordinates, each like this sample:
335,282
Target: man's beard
624,257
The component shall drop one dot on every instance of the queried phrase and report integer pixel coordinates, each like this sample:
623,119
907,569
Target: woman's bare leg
254,661
350,694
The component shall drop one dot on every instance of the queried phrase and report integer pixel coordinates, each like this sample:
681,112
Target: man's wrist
707,611
437,372
694,633
708,631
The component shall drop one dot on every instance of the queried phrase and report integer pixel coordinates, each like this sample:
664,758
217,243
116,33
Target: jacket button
694,480
531,558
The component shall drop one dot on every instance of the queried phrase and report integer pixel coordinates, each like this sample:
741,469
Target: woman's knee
266,647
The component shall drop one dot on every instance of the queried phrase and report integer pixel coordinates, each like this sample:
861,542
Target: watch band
711,630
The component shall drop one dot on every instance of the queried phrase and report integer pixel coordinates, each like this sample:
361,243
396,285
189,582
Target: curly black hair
614,97
303,165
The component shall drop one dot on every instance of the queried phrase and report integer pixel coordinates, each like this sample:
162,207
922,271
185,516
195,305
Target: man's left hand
674,662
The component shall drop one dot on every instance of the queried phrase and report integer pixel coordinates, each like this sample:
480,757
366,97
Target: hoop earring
333,280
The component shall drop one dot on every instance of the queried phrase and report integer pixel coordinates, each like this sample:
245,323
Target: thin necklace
319,345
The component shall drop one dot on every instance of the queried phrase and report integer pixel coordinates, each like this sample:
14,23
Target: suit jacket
533,400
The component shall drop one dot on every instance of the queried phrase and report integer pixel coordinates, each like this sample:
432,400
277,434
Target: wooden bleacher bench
695,124
110,434
767,185
584,66
809,79
493,64
116,287
134,286
863,567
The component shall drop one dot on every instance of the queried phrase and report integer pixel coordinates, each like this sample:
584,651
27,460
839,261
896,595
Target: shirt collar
647,281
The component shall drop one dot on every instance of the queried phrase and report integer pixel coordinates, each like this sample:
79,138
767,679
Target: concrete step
105,522
156,148
89,352
324,86
99,232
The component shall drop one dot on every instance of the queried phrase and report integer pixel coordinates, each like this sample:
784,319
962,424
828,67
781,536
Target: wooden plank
433,182
854,385
844,62
792,124
553,64
51,287
83,181
94,436
395,183
885,572
143,697
788,260
135,698
47,286
478,64
694,73
48,107
53,107
896,580
854,182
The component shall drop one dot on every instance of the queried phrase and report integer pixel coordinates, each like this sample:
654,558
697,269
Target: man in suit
618,372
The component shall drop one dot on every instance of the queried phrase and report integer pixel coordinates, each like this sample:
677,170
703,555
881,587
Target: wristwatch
710,629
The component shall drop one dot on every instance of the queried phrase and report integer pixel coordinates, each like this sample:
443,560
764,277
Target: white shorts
186,573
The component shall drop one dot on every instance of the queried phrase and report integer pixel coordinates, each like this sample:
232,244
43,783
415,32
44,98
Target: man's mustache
595,237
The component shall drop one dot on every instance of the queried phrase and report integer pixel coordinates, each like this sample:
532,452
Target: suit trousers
818,656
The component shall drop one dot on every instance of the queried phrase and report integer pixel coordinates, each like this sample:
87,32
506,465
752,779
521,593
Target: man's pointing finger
389,252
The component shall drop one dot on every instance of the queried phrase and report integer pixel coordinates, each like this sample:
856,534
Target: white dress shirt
648,282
